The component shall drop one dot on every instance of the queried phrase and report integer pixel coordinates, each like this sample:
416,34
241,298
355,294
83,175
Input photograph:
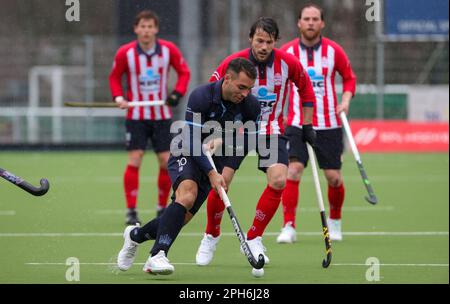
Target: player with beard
275,70
322,58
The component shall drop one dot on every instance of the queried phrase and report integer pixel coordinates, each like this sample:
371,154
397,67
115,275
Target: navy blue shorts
329,147
184,168
140,131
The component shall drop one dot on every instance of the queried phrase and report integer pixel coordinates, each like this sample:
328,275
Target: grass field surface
82,216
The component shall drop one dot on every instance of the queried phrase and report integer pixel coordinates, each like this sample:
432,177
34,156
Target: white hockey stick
257,264
312,160
144,103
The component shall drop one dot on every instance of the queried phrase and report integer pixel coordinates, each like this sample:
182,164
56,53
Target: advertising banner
399,136
416,18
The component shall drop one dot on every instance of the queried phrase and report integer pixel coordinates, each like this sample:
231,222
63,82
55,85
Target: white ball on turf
257,273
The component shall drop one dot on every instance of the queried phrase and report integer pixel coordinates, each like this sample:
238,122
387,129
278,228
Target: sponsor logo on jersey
317,81
266,100
150,81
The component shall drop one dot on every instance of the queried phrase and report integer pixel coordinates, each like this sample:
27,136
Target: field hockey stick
372,197
151,103
24,184
326,262
257,264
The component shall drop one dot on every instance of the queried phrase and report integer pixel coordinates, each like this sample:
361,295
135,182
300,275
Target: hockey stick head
326,237
259,264
33,190
21,183
372,199
45,185
326,262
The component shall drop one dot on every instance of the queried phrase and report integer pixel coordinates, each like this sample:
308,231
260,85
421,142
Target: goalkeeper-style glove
174,99
309,134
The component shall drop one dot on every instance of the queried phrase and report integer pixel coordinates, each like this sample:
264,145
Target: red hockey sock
265,210
214,210
164,185
131,185
336,199
290,201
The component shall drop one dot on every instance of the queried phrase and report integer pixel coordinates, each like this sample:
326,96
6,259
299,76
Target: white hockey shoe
158,264
334,226
288,234
257,248
127,254
205,252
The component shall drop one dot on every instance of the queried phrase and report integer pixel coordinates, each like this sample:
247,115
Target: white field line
7,212
304,209
95,264
119,211
196,234
394,265
334,264
123,211
432,178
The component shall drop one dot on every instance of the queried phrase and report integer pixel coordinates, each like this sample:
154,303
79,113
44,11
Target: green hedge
364,106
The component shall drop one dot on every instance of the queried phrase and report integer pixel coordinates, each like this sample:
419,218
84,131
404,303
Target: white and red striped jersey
271,86
147,77
321,62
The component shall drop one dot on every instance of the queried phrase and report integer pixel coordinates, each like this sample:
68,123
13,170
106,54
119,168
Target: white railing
28,118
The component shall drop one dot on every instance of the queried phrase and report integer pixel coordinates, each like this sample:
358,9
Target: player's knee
334,178
163,158
135,163
135,158
295,171
187,200
186,195
163,163
278,181
335,181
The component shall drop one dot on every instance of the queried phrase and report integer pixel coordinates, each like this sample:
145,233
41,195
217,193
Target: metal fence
39,72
